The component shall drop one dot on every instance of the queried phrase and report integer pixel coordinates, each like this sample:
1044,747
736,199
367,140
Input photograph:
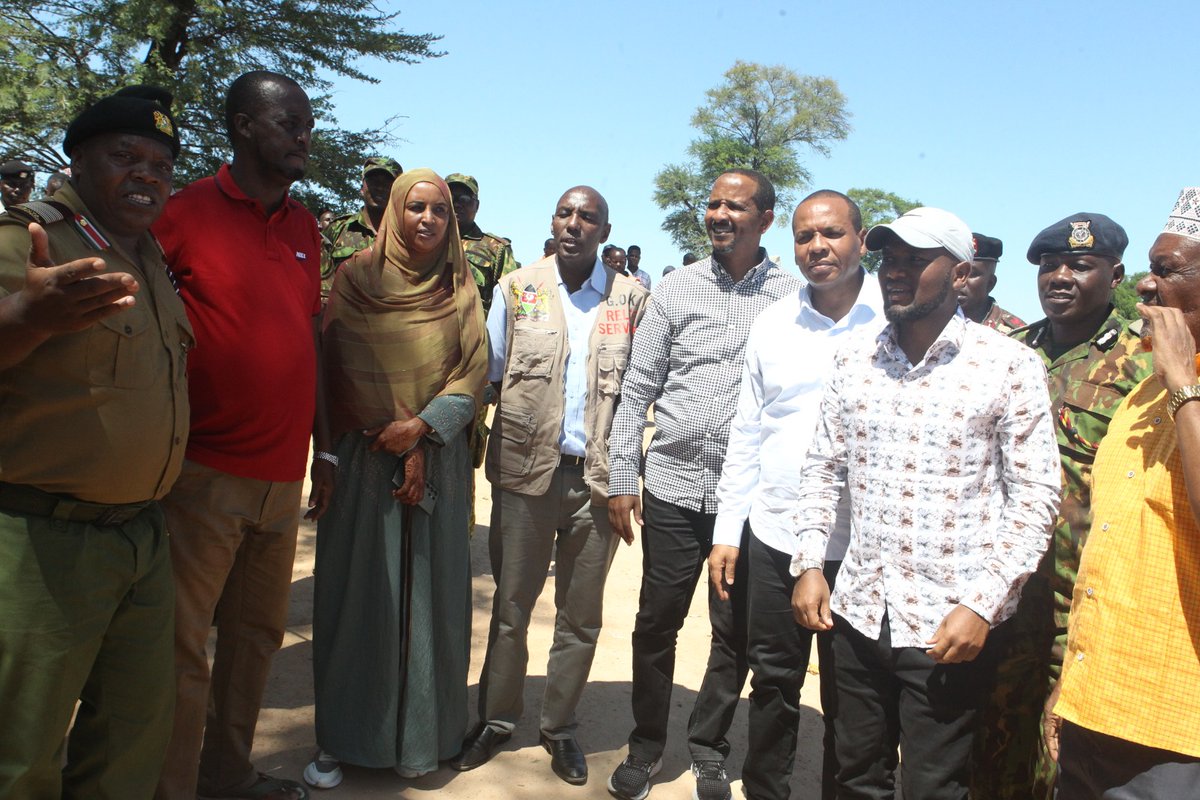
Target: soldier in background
1094,359
350,233
490,256
975,299
16,183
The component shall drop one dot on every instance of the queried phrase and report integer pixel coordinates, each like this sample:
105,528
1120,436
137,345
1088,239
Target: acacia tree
760,117
61,56
878,207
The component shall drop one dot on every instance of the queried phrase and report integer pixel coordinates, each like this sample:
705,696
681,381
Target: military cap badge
1081,235
163,123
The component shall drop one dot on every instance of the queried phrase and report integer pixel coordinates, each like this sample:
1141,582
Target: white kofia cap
1185,217
928,227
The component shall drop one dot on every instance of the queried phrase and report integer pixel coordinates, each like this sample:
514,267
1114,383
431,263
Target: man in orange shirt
1121,723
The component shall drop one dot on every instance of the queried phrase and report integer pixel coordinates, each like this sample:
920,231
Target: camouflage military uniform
1001,320
346,235
1087,384
491,258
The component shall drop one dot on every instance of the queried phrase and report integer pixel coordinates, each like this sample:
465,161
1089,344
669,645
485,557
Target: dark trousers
675,546
896,696
778,651
1095,765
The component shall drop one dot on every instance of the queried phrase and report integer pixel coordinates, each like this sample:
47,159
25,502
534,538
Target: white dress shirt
789,355
579,309
954,479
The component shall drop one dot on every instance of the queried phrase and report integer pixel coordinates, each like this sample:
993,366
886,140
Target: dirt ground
285,743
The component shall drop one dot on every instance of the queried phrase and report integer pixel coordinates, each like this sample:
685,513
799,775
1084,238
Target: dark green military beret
1087,233
987,248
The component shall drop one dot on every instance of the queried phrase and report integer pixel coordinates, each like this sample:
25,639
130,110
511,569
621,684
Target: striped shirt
687,361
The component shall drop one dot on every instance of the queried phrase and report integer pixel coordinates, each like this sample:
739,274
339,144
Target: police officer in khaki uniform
93,425
16,183
350,233
490,256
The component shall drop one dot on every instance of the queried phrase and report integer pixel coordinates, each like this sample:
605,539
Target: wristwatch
1181,396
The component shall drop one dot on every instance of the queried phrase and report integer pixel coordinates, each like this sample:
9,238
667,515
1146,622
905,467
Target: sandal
265,788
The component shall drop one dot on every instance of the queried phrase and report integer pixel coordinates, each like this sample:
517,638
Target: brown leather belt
20,499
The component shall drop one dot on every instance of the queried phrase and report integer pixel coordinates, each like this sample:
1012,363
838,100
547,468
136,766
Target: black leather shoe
566,759
479,747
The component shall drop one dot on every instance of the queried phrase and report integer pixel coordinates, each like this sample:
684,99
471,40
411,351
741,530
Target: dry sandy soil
285,742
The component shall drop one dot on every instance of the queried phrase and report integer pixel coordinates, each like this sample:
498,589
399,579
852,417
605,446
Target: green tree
878,207
60,56
1125,296
759,118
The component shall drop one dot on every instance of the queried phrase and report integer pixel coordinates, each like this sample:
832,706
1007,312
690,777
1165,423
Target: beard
914,311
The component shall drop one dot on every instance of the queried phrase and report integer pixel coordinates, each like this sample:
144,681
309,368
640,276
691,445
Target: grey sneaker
325,771
711,781
631,779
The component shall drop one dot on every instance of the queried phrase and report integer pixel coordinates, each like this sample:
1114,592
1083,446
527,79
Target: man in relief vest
561,331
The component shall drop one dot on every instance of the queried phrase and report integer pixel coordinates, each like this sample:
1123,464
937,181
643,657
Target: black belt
28,500
565,460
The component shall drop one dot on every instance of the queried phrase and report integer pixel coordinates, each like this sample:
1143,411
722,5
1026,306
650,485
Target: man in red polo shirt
246,260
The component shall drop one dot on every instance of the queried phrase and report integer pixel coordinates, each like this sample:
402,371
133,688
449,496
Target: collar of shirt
868,305
230,189
597,281
719,271
947,343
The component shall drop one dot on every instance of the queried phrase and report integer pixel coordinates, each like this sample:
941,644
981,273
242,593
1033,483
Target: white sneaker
325,771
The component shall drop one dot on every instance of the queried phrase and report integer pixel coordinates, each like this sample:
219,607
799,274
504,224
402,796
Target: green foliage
759,118
878,207
1125,296
61,56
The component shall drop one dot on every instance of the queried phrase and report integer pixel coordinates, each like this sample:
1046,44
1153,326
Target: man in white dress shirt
789,354
941,430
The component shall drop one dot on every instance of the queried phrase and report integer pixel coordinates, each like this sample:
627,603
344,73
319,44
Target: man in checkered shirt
687,361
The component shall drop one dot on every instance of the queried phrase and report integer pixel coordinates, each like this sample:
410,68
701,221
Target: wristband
330,457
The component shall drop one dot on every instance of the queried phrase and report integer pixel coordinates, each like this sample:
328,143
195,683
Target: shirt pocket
516,428
118,352
533,353
1083,419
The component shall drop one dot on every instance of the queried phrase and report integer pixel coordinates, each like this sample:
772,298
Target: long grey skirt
392,612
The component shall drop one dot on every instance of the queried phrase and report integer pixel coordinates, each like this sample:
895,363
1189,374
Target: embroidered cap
927,227
1185,217
141,110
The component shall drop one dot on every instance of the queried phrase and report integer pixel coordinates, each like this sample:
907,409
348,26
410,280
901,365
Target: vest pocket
533,352
610,369
515,427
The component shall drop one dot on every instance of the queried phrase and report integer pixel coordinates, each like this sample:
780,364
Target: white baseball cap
928,227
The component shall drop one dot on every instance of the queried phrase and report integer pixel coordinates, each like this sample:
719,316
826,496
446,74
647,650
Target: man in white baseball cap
941,429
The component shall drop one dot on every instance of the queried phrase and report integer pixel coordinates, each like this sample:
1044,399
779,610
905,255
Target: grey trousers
526,532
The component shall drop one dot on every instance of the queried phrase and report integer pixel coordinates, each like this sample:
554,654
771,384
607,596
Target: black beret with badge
17,170
1085,233
987,248
140,110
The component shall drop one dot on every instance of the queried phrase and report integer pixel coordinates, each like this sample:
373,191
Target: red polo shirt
251,284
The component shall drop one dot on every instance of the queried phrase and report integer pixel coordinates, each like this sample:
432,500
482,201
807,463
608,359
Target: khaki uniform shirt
102,414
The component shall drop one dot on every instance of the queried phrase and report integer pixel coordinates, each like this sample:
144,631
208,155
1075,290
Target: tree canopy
759,118
61,56
878,207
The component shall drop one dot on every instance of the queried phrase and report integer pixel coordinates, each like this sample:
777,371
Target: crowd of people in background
988,529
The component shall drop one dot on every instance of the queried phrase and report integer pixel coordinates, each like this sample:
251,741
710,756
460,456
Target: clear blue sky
1011,114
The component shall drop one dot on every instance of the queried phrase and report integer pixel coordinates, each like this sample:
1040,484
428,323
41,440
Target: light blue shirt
580,311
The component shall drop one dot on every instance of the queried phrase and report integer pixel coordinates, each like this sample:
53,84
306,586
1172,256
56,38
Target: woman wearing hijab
404,360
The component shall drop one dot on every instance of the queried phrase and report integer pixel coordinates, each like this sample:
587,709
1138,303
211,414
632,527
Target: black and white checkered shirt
687,360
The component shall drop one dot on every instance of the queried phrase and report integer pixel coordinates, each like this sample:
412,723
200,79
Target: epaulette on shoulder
1107,340
498,238
43,212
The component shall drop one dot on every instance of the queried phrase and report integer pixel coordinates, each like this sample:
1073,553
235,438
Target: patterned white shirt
687,360
953,474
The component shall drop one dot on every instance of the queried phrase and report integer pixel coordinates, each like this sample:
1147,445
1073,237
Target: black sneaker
711,781
631,779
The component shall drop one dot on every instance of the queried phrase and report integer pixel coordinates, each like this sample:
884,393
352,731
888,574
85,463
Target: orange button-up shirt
1132,668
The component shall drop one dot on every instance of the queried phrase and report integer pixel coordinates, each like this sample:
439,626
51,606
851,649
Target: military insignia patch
163,123
529,303
1081,235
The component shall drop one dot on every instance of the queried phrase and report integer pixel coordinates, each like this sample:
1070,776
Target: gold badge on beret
163,124
1081,235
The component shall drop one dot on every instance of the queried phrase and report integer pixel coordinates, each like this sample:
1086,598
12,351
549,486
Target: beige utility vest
523,451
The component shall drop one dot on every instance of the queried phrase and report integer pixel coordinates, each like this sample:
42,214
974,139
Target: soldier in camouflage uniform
975,299
1094,358
350,233
490,256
